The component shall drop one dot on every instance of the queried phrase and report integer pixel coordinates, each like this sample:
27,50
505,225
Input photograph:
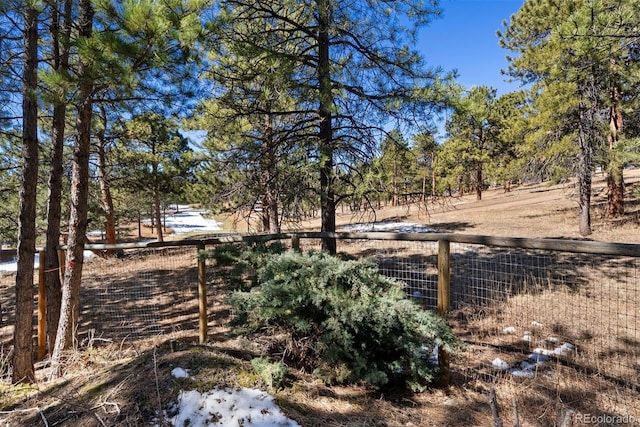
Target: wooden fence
448,261
444,257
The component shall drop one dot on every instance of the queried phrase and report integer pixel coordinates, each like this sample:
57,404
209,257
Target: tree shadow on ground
142,392
582,299
451,227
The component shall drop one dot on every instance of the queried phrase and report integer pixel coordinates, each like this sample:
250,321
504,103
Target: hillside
535,210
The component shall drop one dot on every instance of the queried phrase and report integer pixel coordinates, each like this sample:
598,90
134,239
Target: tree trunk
156,206
105,188
54,208
327,195
394,183
615,193
23,370
615,170
585,163
479,181
79,201
433,174
269,175
270,212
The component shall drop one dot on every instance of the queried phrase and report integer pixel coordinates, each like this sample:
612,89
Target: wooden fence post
62,262
444,304
295,242
202,294
42,307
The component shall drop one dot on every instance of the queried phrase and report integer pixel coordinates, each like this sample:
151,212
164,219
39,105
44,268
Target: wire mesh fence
142,294
553,326
559,327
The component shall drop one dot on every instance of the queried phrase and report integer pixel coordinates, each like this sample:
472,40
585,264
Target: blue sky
465,38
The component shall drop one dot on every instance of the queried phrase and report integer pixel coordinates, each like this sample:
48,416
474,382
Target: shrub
243,260
272,373
342,319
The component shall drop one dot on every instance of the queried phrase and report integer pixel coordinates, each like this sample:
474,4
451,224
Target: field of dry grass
124,379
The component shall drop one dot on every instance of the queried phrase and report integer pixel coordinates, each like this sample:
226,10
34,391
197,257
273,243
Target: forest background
303,108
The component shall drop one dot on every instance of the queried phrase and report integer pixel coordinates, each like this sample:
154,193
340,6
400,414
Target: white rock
509,330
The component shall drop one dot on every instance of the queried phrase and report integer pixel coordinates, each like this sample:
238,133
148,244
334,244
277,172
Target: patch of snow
564,350
228,407
536,360
540,355
536,324
509,330
398,227
12,266
189,220
179,373
499,364
527,336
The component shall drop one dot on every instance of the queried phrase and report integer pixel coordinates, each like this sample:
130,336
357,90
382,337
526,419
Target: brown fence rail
544,310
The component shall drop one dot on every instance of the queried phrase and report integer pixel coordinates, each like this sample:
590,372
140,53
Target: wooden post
444,277
62,262
202,294
444,304
295,242
42,308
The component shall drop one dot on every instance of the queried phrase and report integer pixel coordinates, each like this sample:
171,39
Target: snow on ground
12,266
398,227
538,359
189,220
226,407
186,220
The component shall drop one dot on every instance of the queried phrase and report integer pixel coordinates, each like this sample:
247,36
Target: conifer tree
475,128
143,38
23,369
356,72
571,52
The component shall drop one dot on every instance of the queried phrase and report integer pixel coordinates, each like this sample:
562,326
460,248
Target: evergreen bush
243,260
272,373
342,320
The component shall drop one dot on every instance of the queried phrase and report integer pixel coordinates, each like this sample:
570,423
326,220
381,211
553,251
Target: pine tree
23,369
356,74
475,128
571,52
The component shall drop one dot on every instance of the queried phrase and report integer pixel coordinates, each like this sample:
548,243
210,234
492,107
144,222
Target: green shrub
272,373
342,320
243,260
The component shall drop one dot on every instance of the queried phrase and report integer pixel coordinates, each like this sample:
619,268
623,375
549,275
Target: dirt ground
528,210
112,384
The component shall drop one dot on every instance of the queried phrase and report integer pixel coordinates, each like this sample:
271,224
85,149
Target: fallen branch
104,404
15,411
493,402
516,417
